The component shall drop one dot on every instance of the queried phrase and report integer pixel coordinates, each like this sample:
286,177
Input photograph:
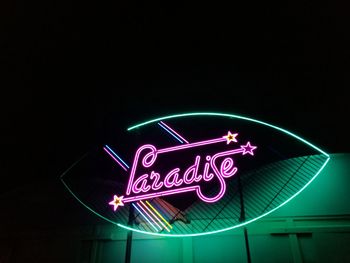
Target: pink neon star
117,201
248,148
230,137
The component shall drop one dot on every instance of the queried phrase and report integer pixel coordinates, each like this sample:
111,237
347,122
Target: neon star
230,137
248,148
117,201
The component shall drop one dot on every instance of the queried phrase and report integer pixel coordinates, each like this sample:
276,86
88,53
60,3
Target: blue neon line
145,217
114,158
116,155
177,138
170,132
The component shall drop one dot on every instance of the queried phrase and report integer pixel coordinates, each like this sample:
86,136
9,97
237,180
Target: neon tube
149,217
164,226
126,170
145,217
191,145
154,152
116,155
148,196
226,170
172,134
114,158
167,126
155,210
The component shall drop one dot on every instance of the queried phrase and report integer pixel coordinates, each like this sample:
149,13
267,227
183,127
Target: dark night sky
71,69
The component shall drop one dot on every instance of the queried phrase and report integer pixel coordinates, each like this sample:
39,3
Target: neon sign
178,180
173,181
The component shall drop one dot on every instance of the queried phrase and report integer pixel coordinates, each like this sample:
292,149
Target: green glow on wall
236,226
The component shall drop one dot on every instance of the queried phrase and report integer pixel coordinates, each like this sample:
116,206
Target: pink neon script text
178,181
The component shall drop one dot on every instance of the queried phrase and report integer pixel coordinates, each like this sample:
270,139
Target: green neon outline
230,116
224,229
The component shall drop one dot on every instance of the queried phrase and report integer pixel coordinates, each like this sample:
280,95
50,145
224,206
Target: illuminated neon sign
172,180
179,180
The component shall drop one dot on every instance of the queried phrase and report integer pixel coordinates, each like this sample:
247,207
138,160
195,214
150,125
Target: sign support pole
242,219
129,237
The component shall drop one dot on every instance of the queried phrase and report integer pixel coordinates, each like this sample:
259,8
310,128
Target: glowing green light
230,116
228,228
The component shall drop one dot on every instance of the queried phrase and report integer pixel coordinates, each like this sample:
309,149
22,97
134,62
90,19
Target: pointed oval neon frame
209,114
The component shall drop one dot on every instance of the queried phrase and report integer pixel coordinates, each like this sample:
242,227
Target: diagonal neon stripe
116,155
114,158
172,134
164,226
155,210
162,210
145,217
167,126
149,217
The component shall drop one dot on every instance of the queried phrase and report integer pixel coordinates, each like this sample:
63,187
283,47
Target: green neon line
70,167
225,229
230,116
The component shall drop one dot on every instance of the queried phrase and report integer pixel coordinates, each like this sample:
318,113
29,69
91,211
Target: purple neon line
149,217
190,145
226,153
114,158
190,188
172,134
167,126
180,147
145,217
170,192
133,168
180,190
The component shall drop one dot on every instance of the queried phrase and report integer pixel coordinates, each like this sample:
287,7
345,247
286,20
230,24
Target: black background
74,72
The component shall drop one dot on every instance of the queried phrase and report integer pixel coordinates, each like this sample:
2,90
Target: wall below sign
300,239
51,227
328,194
